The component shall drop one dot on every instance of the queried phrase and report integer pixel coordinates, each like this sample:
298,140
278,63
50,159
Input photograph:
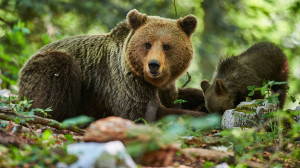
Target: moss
248,109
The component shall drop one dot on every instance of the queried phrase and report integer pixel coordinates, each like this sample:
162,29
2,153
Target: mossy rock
247,114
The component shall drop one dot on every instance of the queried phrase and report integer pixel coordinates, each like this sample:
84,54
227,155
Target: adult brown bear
129,72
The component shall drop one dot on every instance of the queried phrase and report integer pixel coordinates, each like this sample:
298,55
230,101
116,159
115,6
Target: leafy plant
151,137
265,90
76,121
45,152
13,53
179,101
280,137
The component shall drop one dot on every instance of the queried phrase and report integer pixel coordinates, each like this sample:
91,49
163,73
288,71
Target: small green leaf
251,93
77,121
17,120
248,99
251,87
271,83
46,134
141,119
179,101
69,137
280,83
273,99
293,98
263,90
259,102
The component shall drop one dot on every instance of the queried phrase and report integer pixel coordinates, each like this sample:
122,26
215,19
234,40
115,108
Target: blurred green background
225,28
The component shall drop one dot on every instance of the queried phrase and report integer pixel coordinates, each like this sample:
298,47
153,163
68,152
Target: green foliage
208,164
141,119
76,121
44,152
265,90
22,108
281,137
250,142
179,101
167,131
13,53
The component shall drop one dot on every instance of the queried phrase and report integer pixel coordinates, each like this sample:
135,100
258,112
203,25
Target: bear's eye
148,46
166,47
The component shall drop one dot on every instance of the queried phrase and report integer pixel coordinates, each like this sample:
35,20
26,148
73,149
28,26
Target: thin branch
188,80
174,3
9,115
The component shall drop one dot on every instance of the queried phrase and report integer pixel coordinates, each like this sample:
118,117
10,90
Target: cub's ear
204,85
188,24
220,88
136,19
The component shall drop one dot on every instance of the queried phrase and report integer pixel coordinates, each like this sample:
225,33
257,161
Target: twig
30,129
208,154
8,115
188,80
174,3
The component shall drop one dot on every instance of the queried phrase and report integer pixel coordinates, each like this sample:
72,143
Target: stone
108,129
247,114
100,155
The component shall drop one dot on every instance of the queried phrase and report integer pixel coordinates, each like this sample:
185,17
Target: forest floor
28,141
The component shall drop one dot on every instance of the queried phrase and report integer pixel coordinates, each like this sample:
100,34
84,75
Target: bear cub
262,61
129,72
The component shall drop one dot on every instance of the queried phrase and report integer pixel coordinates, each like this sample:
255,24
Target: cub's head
217,97
159,49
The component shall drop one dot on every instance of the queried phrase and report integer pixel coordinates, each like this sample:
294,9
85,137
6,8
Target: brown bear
262,61
124,73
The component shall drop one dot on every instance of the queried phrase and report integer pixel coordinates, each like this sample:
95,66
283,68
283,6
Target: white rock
222,165
5,93
91,154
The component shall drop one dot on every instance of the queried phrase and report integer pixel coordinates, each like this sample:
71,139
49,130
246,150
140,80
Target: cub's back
264,58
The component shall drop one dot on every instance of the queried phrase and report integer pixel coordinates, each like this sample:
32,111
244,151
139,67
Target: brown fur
109,74
229,84
194,98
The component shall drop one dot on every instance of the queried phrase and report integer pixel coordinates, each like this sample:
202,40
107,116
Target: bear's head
217,96
159,49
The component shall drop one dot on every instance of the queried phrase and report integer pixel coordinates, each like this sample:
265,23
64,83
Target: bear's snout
154,67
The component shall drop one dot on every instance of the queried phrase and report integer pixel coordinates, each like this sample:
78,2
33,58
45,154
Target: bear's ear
136,19
204,85
188,24
220,88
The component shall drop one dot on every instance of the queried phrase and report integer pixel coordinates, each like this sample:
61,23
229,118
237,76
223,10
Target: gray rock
297,118
240,118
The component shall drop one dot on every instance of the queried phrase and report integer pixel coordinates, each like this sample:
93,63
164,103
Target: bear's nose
153,65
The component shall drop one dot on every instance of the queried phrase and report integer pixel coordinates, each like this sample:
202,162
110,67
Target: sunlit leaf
69,137
77,121
46,134
263,90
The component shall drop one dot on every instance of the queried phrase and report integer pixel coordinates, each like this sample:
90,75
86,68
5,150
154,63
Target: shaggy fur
229,84
110,74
